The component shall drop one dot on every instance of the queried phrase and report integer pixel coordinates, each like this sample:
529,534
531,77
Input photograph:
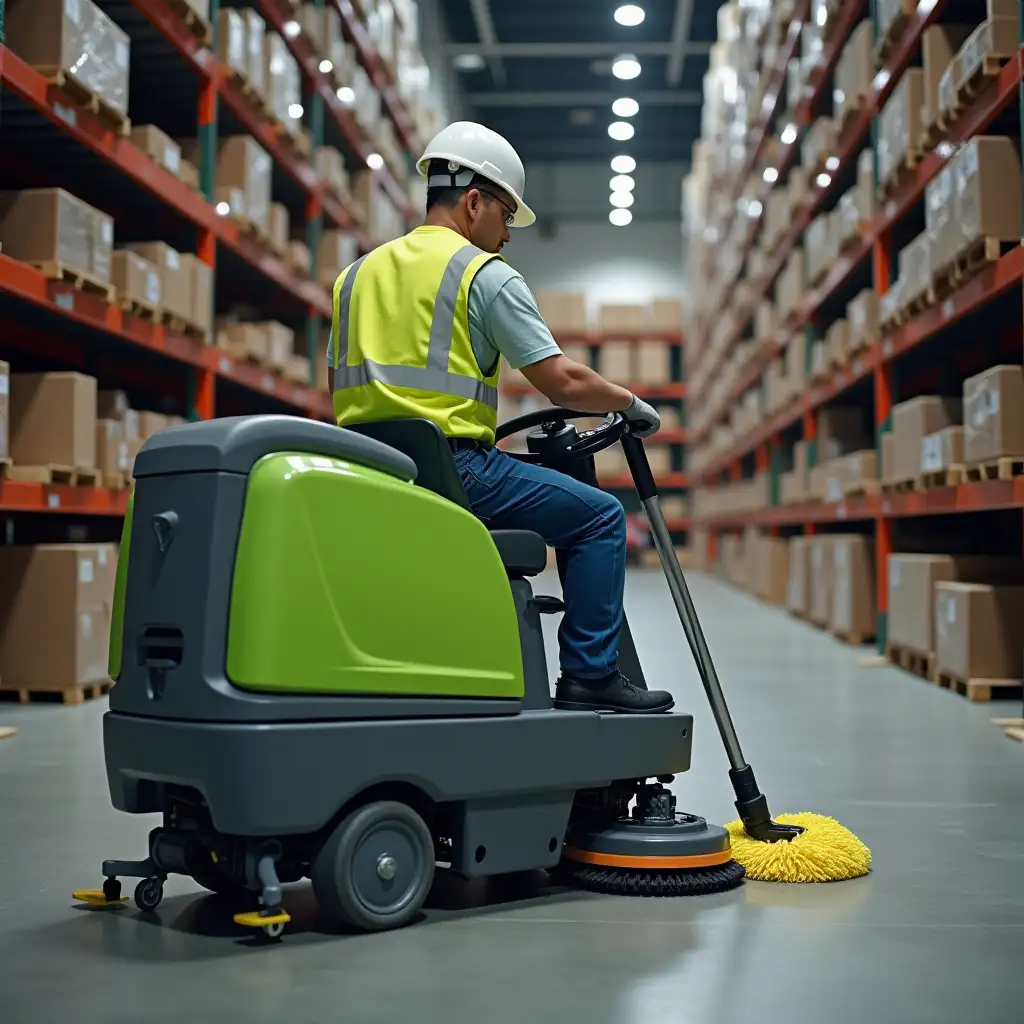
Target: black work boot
612,693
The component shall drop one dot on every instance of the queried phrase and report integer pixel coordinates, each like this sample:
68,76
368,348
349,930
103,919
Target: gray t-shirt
503,321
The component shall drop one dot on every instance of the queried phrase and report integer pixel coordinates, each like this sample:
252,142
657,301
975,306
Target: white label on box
107,231
993,402
73,11
173,260
894,574
5,384
53,501
121,53
85,570
85,625
64,300
931,453
950,610
152,287
101,556
172,159
123,462
66,114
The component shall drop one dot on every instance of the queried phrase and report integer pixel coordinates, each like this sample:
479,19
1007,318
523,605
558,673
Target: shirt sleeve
513,325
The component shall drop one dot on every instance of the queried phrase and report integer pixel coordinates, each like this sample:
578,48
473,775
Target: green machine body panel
350,581
120,585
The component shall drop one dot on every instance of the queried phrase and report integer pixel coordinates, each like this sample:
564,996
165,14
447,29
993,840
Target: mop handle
647,490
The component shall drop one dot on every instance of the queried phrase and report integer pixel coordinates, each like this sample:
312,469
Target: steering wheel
560,441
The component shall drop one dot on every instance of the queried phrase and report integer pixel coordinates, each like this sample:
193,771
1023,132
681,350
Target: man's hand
643,418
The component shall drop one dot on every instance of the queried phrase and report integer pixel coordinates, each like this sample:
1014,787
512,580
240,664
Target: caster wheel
148,894
376,868
273,931
111,890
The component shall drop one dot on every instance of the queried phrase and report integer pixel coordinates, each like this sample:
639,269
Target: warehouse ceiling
540,72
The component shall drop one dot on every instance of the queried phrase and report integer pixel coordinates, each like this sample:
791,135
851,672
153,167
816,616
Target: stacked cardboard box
993,406
244,171
53,420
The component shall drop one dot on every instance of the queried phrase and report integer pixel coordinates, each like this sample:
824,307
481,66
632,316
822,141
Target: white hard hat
476,148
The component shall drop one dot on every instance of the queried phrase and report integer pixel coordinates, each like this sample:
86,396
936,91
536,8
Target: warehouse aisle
935,934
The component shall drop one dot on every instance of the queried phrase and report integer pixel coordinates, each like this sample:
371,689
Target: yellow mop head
825,852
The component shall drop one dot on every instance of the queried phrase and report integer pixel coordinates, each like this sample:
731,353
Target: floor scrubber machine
325,666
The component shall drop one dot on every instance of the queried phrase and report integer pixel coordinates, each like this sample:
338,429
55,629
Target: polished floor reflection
934,934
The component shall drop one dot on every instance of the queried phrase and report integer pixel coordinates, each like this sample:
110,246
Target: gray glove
643,418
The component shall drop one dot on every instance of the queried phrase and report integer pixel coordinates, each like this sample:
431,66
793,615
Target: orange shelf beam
16,496
662,480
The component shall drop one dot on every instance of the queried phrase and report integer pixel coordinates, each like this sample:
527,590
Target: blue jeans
587,529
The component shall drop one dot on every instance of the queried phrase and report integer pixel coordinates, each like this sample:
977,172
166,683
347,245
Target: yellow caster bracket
271,924
108,896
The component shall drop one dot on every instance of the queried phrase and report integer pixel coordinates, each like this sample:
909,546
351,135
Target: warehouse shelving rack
47,138
879,367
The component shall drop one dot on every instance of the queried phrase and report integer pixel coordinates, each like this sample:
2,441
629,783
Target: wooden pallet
1005,468
914,662
48,474
901,173
899,486
978,255
5,469
851,112
178,326
196,24
978,691
919,303
860,488
140,308
80,280
67,695
931,135
1012,727
891,37
950,476
851,638
980,78
77,90
248,90
298,142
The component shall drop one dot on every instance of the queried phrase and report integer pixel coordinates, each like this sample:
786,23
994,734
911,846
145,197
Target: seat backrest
426,445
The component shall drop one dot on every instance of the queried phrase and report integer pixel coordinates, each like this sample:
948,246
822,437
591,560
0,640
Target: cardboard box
998,37
246,341
280,344
939,45
615,361
78,38
771,569
283,81
799,583
841,429
653,362
255,68
151,423
942,450
337,250
231,41
886,471
200,285
174,279
158,146
299,259
243,164
5,404
666,315
279,227
614,318
940,224
994,414
854,71
136,278
912,579
111,448
899,123
47,225
913,421
819,605
55,602
189,174
853,581
53,419
862,316
987,192
977,631
564,312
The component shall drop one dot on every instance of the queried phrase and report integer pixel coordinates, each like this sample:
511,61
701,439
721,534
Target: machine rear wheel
376,869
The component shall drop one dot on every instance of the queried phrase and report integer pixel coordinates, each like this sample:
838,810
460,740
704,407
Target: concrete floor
935,934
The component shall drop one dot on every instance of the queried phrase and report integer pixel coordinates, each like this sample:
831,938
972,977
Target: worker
419,329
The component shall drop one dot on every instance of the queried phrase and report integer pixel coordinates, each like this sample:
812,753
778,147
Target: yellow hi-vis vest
401,336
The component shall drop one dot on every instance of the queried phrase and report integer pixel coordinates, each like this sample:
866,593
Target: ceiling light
620,131
824,180
621,199
375,161
346,94
469,62
622,183
821,16
629,15
291,29
771,175
625,107
620,218
295,111
223,209
789,135
832,163
623,164
326,66
626,67
754,209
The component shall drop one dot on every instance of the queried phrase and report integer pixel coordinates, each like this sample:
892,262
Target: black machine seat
523,553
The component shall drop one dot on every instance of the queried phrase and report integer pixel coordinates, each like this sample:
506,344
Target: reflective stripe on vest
435,376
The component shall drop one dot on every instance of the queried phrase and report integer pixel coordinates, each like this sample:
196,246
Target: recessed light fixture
223,209
469,62
629,15
622,183
620,218
291,29
295,111
788,135
620,131
375,161
823,180
623,164
625,107
621,199
326,66
626,67
346,94
771,175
